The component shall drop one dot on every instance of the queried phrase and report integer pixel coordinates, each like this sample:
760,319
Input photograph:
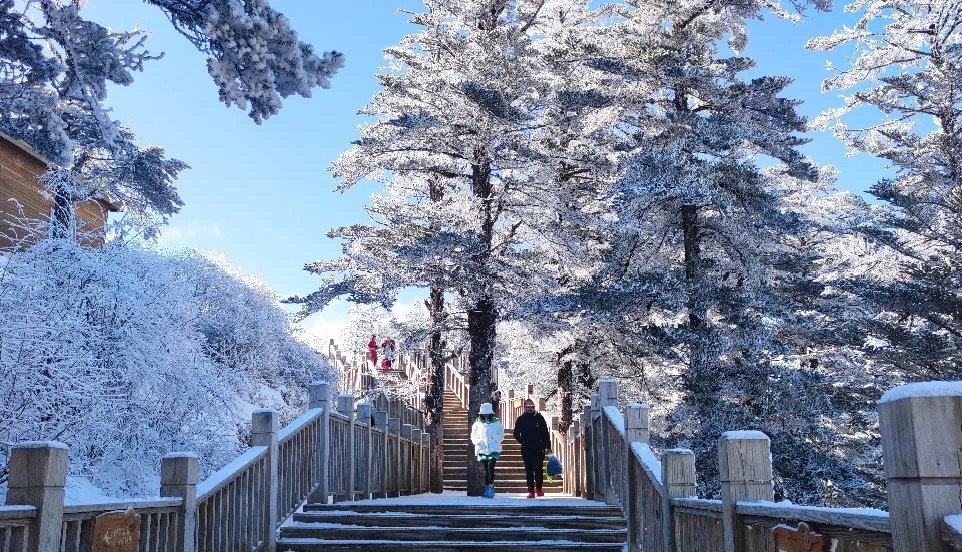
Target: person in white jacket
486,435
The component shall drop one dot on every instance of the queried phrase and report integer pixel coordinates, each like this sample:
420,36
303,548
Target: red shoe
531,494
538,492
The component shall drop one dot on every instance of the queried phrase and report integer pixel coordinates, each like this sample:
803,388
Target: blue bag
554,466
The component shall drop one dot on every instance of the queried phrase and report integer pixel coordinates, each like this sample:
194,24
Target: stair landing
453,522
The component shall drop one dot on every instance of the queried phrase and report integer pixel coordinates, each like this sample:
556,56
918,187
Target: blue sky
262,196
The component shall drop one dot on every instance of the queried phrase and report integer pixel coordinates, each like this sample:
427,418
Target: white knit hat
486,409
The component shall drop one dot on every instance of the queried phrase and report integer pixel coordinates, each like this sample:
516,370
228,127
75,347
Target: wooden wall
20,171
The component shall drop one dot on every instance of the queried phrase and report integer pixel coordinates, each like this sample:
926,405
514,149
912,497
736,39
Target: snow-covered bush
126,354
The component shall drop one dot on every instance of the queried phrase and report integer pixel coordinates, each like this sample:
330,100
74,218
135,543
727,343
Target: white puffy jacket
487,436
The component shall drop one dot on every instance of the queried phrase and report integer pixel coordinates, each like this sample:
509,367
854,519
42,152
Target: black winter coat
532,432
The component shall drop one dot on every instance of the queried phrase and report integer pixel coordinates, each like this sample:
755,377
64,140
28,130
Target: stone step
491,520
402,531
520,507
519,489
461,469
312,545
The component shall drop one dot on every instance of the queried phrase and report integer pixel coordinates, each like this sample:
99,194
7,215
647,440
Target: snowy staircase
459,526
509,471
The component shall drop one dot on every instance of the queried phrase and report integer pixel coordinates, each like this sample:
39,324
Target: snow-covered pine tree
468,189
705,278
906,77
55,66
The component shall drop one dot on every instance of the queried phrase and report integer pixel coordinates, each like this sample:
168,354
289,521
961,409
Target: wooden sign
117,532
800,539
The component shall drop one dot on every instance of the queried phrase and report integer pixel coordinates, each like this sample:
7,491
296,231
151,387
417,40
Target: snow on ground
80,490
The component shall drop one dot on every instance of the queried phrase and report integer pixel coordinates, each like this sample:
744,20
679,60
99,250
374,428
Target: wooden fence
607,457
354,453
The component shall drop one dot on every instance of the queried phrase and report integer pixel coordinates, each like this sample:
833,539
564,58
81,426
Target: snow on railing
346,454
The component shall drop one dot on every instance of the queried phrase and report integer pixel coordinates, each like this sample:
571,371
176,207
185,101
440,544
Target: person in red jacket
531,430
372,349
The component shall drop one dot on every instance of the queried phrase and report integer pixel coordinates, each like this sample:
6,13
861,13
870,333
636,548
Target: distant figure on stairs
372,349
388,352
531,430
487,433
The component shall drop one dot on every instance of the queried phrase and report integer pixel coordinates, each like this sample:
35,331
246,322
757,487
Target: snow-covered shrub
125,354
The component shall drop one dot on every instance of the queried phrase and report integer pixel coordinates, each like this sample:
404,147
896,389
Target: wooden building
22,196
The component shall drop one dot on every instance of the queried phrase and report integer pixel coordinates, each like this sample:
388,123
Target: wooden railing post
319,394
364,416
37,477
380,422
426,463
920,446
678,480
415,460
589,449
404,475
264,427
607,396
345,407
745,473
178,478
636,431
572,472
394,428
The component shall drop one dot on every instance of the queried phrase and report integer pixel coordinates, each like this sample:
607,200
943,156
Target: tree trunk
689,227
62,213
587,382
699,382
565,382
434,402
482,319
482,316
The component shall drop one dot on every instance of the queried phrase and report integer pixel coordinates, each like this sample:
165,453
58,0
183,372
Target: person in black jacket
531,431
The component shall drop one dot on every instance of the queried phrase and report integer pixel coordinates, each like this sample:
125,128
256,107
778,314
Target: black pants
533,467
489,471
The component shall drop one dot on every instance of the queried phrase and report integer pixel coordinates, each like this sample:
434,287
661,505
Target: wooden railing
159,520
457,384
512,405
607,458
15,527
356,452
358,375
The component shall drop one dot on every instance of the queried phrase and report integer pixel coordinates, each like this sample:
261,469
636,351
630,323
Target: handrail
229,473
695,503
15,526
455,382
108,506
298,424
867,519
17,512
